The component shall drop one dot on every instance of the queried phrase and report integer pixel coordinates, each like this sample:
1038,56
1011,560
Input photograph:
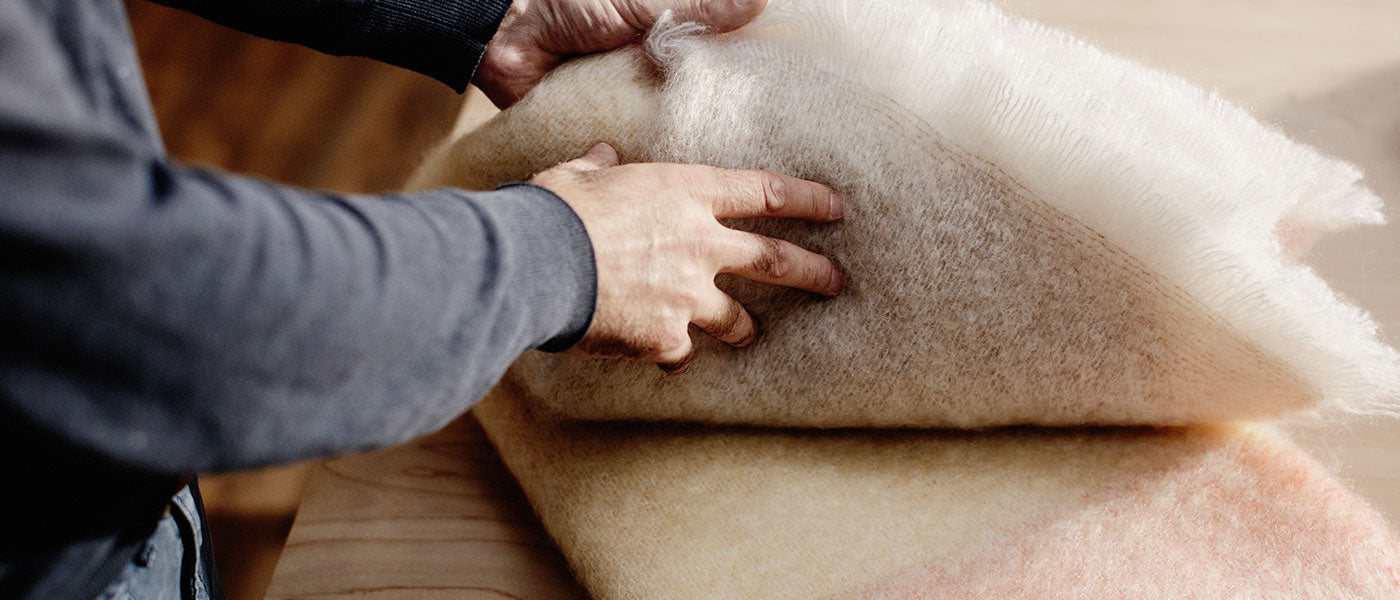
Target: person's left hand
537,35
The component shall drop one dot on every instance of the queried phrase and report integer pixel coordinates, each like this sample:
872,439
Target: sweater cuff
443,39
564,267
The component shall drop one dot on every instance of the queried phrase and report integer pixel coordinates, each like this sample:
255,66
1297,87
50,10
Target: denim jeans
176,562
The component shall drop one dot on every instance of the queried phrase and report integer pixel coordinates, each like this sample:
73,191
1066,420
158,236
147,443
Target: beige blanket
1036,234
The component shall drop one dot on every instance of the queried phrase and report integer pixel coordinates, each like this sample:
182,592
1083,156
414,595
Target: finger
723,15
717,15
676,368
510,68
726,320
678,360
736,194
773,261
600,156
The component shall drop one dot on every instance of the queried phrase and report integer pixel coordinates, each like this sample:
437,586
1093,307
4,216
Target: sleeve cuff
565,268
443,40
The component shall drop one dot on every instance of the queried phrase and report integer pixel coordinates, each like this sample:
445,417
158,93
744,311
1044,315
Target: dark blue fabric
155,571
174,562
160,320
444,40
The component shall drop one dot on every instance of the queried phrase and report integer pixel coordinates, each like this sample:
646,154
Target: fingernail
675,368
837,282
753,335
838,207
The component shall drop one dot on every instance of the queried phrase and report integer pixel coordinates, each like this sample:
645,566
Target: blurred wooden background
1328,73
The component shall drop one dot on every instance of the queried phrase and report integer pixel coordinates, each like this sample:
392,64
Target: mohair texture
675,511
1036,232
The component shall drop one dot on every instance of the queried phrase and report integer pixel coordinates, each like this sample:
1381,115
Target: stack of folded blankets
1075,308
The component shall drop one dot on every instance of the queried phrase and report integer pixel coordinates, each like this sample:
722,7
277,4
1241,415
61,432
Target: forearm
184,320
442,39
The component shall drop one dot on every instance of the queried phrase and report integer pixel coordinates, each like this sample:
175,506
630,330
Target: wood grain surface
441,518
436,518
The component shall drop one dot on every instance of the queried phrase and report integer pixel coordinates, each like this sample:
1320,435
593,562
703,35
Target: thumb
725,15
600,156
718,15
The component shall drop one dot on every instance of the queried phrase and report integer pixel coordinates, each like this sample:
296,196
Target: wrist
563,247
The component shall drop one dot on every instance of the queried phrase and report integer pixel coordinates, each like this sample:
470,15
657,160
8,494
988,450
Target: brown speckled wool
1036,232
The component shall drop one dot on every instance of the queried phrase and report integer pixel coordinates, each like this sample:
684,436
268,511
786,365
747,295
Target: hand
658,246
537,35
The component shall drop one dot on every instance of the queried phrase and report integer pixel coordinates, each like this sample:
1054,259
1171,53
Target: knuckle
772,260
730,322
775,190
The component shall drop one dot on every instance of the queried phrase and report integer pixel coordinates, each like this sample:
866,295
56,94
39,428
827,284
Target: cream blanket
1036,233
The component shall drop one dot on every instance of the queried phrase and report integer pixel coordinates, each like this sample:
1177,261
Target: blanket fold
1042,240
684,511
1036,232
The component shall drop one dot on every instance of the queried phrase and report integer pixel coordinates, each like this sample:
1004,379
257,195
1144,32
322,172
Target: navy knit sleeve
443,39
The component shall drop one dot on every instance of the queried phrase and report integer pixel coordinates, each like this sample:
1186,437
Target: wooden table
441,517
437,518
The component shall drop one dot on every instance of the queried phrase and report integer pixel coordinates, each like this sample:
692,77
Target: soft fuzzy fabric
688,512
1037,232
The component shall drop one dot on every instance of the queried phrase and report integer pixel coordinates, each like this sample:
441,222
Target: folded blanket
681,512
1036,232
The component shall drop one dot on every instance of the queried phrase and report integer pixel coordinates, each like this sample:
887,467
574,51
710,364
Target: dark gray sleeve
180,320
443,39
188,320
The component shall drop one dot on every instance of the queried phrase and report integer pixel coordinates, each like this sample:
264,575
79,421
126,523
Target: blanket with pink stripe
1076,302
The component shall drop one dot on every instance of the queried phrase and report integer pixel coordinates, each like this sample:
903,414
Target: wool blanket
647,511
1037,234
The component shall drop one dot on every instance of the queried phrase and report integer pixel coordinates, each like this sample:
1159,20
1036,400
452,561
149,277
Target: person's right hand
658,246
537,35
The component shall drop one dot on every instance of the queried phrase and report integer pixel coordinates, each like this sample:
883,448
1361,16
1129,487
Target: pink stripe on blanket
1255,518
